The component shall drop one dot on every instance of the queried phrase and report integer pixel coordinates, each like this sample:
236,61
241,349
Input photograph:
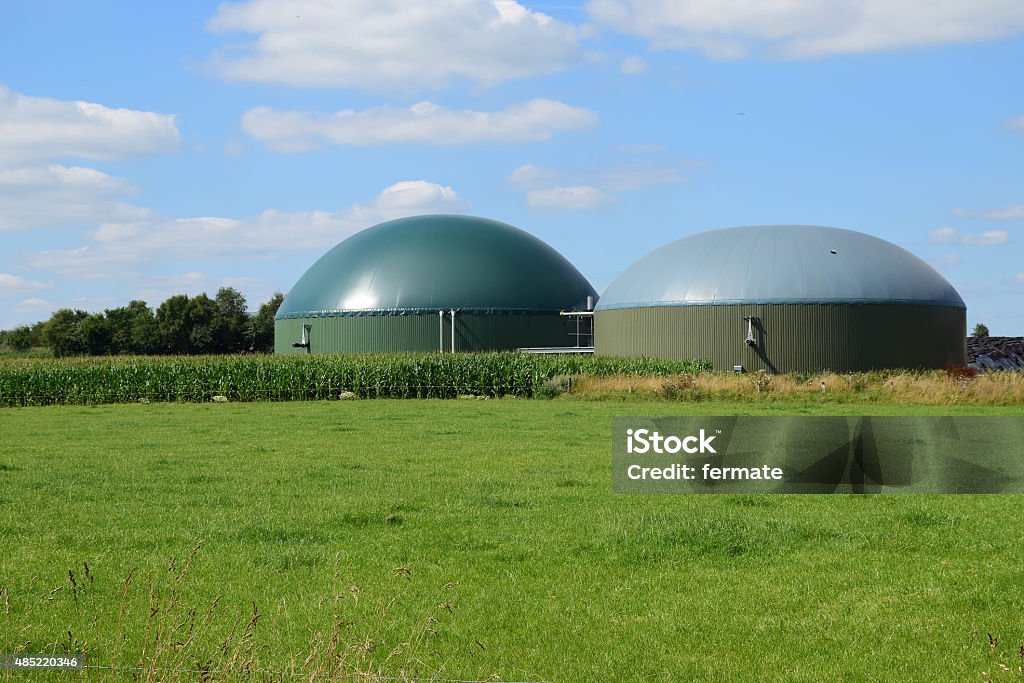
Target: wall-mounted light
304,341
750,341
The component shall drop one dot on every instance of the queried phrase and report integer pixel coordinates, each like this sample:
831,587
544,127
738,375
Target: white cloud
158,289
387,44
410,196
188,279
1020,278
85,262
530,176
35,132
577,198
948,260
942,235
615,178
61,195
633,66
210,236
423,123
33,305
624,178
126,247
1001,214
42,129
247,282
583,189
988,238
807,28
16,283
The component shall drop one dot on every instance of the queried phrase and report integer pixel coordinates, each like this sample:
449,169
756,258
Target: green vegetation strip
471,539
297,378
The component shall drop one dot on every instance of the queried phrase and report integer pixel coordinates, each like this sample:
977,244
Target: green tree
980,330
63,333
133,329
37,333
173,324
19,339
146,337
231,321
261,325
201,319
96,333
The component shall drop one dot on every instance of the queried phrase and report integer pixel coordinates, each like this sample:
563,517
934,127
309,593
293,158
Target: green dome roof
429,263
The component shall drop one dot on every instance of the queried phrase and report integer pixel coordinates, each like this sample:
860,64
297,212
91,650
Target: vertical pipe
440,331
578,327
453,330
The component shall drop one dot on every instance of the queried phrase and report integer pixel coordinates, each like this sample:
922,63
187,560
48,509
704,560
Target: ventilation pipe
750,341
453,330
440,331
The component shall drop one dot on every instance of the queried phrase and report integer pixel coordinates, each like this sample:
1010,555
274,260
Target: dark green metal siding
420,332
790,337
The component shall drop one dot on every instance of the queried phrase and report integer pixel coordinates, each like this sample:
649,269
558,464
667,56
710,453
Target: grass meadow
475,540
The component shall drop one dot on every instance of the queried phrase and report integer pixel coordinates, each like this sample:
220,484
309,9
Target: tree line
180,325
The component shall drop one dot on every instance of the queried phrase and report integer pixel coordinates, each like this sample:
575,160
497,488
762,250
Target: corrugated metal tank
809,297
382,290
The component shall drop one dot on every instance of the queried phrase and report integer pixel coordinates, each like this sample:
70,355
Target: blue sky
148,149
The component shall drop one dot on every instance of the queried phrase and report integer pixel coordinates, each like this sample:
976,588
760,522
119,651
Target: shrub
550,388
762,381
673,387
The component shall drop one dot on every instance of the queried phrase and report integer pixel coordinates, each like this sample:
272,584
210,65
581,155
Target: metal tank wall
420,331
790,337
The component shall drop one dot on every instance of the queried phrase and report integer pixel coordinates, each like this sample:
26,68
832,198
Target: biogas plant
433,283
779,298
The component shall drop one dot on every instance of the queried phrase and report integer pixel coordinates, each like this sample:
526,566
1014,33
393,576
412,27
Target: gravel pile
995,353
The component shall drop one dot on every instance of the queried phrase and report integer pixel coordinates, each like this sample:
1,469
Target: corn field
130,379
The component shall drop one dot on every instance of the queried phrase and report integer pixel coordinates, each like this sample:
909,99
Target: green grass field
477,539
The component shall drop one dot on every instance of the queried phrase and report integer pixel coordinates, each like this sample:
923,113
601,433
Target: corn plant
301,378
